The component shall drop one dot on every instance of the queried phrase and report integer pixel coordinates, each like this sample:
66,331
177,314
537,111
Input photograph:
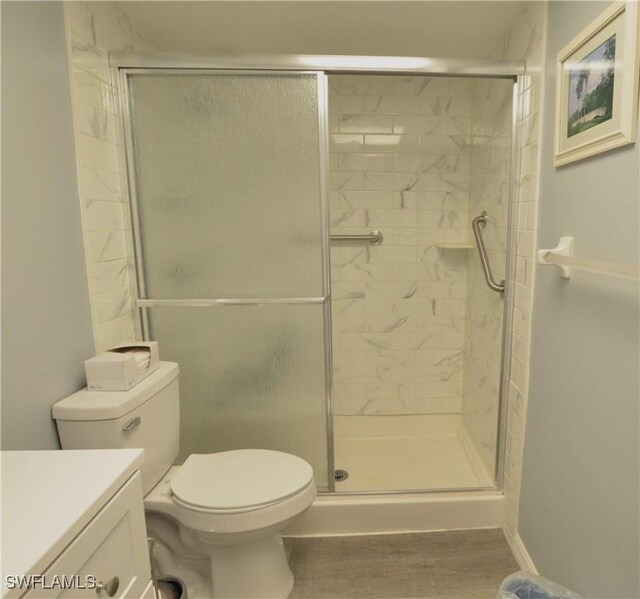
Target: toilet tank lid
109,405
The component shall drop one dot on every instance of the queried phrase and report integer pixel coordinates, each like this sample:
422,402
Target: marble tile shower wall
94,29
400,163
490,160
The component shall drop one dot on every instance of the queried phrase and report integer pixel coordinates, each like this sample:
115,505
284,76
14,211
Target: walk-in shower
305,251
416,332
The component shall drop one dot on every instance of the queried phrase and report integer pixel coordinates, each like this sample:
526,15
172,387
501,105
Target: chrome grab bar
486,269
374,238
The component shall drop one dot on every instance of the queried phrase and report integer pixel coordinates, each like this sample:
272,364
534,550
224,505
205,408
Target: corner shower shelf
455,246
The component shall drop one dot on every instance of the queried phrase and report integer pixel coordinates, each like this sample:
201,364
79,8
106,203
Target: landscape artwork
591,81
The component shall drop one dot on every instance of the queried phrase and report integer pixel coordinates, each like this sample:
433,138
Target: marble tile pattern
489,192
400,163
94,29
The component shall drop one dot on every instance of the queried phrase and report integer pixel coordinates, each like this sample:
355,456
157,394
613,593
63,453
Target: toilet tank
146,416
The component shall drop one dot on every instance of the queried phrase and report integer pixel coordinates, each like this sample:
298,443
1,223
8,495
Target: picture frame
597,86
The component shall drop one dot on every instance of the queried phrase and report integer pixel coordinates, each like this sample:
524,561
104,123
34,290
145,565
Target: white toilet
230,506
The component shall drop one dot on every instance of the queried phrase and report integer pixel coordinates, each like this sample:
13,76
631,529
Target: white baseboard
522,555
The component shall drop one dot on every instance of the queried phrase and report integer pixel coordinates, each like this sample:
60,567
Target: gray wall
46,321
580,488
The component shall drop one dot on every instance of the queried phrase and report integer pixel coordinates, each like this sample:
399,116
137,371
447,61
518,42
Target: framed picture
597,86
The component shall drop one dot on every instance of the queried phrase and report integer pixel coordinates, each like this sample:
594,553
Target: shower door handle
486,269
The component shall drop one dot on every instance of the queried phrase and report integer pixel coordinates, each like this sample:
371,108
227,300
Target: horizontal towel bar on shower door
484,261
562,257
374,238
212,303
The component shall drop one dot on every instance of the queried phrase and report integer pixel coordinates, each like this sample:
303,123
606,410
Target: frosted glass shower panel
250,377
228,184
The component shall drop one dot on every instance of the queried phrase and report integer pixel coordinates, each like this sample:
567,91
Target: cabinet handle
110,587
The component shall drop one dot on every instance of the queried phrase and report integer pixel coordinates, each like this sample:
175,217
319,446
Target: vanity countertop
48,497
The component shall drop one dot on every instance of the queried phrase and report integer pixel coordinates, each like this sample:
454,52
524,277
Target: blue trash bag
527,586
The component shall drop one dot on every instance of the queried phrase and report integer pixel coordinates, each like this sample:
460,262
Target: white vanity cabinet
81,526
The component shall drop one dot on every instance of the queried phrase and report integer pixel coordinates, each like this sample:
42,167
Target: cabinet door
113,544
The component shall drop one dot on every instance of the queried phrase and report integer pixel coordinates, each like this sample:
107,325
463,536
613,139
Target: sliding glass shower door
231,246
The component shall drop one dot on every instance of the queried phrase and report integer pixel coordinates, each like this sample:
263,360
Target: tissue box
122,367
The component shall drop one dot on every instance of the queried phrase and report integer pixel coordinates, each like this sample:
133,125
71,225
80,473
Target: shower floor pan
419,454
406,452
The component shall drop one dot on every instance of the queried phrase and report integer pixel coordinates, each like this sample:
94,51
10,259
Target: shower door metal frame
509,282
143,303
327,63
323,66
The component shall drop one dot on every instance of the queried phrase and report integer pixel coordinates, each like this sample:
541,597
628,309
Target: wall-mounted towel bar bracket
562,258
564,248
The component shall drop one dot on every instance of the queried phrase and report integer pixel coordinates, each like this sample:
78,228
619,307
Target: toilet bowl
229,507
237,525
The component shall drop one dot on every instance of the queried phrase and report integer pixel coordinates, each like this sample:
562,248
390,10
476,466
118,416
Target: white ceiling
462,29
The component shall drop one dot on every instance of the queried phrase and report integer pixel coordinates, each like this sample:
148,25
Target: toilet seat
239,481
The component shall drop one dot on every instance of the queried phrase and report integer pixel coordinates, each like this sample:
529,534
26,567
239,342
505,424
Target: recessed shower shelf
455,246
